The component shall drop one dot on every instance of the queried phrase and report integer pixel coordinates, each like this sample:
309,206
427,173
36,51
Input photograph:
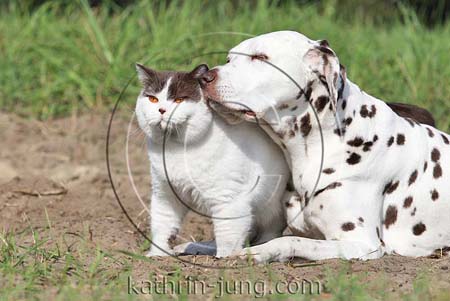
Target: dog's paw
262,254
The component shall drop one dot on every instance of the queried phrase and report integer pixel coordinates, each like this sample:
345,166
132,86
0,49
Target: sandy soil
55,172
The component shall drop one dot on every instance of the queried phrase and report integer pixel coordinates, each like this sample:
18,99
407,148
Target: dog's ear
324,63
146,75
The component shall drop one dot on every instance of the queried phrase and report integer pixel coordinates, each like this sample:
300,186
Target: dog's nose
162,110
208,77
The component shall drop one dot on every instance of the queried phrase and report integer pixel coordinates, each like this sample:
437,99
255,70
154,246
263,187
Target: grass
56,59
36,265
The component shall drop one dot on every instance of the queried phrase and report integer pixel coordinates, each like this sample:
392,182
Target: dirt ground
55,172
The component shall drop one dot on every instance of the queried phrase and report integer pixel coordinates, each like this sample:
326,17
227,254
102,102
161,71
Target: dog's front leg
166,214
285,248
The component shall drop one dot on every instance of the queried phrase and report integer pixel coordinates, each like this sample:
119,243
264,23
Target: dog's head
273,70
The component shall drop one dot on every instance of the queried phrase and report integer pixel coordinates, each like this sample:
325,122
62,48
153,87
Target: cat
233,173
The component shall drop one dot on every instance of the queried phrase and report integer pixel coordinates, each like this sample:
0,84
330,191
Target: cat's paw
157,252
181,249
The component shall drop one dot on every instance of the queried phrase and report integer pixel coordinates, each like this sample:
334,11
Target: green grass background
57,59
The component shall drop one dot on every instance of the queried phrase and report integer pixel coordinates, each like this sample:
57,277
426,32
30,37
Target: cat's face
172,103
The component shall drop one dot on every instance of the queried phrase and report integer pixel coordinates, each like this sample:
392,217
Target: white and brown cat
233,173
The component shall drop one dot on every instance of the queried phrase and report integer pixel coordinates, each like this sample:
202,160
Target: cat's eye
152,99
179,99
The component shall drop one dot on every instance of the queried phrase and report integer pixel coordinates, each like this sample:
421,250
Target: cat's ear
199,71
145,74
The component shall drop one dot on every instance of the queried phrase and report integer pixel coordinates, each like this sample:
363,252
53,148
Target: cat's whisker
178,132
132,110
143,143
136,132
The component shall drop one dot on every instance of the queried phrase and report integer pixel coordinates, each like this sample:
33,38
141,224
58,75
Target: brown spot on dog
446,140
320,103
288,205
328,171
414,211
283,106
419,228
356,142
425,166
339,131
308,90
379,237
390,141
390,187
434,195
391,216
364,112
413,177
348,121
321,206
373,111
430,133
439,253
328,187
305,125
407,202
367,146
401,139
348,226
437,171
291,134
294,108
435,155
354,159
361,219
344,104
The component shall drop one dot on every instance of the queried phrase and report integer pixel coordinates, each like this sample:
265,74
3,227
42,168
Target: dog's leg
166,216
284,248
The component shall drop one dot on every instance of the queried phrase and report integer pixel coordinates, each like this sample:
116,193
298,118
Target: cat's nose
162,110
208,77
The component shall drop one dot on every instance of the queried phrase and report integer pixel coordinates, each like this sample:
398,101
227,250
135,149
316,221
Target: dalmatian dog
369,182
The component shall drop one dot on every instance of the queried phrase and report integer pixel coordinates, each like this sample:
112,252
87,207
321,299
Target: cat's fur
235,174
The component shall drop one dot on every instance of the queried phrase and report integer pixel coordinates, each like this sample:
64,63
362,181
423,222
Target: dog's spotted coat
384,184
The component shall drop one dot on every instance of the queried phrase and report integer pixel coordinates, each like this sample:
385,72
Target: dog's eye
152,98
260,57
179,99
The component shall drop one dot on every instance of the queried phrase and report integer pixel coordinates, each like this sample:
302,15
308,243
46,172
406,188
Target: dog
369,181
